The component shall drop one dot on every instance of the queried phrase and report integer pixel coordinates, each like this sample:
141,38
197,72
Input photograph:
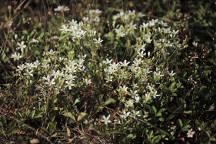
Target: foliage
110,75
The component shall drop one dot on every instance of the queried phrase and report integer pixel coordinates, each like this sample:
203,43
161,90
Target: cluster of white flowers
124,16
121,31
95,12
21,47
16,56
93,16
61,8
74,28
136,78
27,69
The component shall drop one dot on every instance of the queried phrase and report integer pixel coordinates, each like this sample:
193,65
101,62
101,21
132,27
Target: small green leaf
69,114
32,114
81,116
154,109
186,128
188,112
109,101
55,108
68,132
131,136
55,100
180,123
159,114
76,101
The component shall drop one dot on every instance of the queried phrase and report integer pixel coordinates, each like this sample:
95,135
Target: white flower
61,59
137,62
51,52
64,29
46,78
95,12
87,81
76,30
20,68
21,46
120,32
62,8
112,68
154,94
129,103
146,114
125,63
57,74
123,89
133,93
158,74
106,120
48,81
98,41
195,44
109,78
15,36
125,114
132,26
86,19
69,84
96,19
137,98
30,66
136,113
135,86
171,73
36,63
28,72
173,127
141,53
71,68
34,41
16,56
190,133
148,96
148,40
140,14
107,61
145,25
70,77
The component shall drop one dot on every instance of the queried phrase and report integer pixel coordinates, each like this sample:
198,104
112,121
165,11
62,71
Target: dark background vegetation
195,19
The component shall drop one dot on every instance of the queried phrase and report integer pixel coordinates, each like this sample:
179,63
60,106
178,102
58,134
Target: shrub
107,77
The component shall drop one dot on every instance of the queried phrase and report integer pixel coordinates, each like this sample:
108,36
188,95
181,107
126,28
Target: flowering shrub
102,79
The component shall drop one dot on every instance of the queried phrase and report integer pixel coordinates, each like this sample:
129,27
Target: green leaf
55,100
109,101
154,109
131,136
68,132
188,112
159,114
76,101
69,114
81,116
172,86
180,123
32,114
186,128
